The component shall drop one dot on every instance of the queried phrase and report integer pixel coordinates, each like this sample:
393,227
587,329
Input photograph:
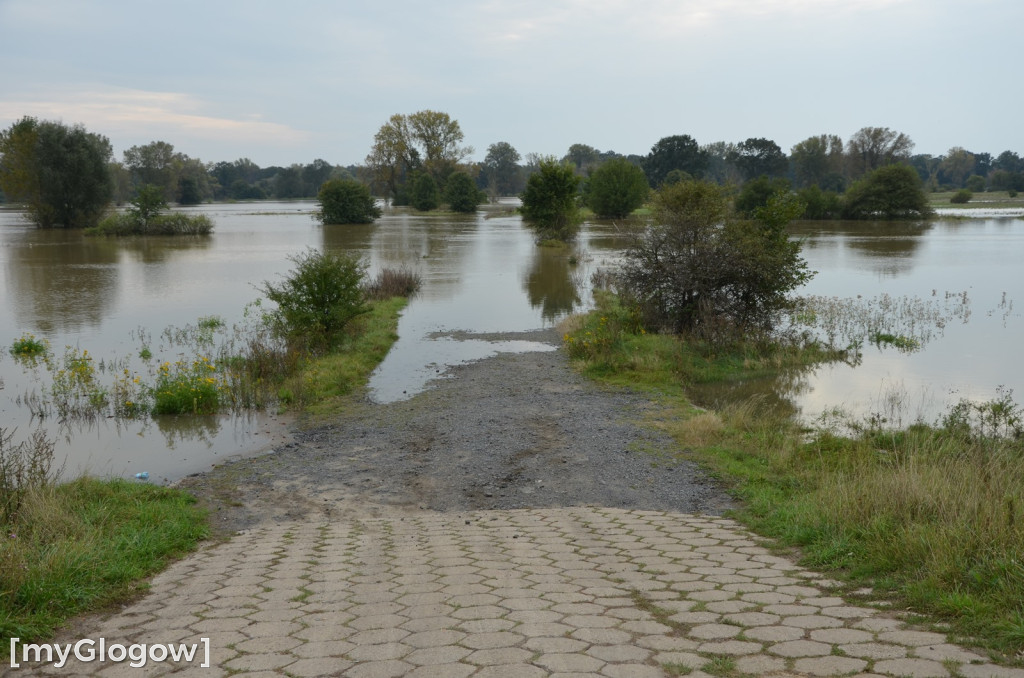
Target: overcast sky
288,82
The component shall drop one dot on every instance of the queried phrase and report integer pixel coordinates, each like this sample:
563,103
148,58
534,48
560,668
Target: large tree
152,164
61,173
759,157
889,192
616,188
873,147
501,167
426,140
679,152
957,166
701,271
818,161
346,201
582,157
550,200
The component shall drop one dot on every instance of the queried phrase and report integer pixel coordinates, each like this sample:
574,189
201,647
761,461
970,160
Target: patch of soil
512,431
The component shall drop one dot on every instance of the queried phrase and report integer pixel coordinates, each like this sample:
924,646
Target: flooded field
482,274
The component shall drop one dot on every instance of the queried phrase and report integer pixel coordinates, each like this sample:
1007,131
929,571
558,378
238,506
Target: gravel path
512,431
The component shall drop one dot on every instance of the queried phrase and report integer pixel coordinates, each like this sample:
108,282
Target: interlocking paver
527,593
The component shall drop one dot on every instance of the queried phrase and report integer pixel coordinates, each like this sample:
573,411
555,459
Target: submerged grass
932,517
71,548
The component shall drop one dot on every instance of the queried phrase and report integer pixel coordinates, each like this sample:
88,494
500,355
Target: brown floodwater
482,275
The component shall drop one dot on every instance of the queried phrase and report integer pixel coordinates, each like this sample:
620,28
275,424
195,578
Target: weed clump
393,282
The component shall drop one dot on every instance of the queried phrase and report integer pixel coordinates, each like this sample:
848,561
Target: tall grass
84,544
931,516
392,282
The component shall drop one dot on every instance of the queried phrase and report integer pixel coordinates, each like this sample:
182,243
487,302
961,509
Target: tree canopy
346,201
426,141
679,152
758,156
461,193
890,192
873,147
550,200
61,173
501,167
818,161
700,270
616,188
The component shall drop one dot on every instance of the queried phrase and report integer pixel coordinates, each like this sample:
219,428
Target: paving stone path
561,592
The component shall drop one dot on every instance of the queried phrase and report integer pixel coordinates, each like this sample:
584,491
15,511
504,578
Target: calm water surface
482,274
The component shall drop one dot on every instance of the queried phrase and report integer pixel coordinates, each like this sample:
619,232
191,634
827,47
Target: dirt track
513,431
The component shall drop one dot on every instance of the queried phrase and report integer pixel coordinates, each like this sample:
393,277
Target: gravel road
512,431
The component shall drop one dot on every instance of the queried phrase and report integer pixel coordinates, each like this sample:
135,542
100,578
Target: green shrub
976,183
616,188
550,201
461,193
318,298
174,223
425,194
889,192
820,204
345,201
961,197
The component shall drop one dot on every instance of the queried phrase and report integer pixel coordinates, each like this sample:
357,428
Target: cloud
156,115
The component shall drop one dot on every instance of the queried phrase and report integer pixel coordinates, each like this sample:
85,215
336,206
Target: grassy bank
82,545
932,518
322,384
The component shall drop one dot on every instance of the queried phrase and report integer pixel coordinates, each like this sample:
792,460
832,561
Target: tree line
68,176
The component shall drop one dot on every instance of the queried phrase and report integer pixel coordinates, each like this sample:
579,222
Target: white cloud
141,113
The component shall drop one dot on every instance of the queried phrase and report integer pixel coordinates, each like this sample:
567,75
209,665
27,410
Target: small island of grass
147,216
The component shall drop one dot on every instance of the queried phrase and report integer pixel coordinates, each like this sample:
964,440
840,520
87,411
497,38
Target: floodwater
482,275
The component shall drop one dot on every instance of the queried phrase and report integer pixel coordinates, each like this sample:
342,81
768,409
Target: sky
289,82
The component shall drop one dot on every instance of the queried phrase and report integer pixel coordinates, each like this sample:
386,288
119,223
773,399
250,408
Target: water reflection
60,282
549,285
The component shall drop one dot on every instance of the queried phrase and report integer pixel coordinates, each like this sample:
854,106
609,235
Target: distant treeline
39,158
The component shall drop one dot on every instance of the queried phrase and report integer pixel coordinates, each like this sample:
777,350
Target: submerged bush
346,201
393,282
318,298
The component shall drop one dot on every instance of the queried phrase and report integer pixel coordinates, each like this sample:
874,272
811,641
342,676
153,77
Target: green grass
86,544
931,517
988,200
322,384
